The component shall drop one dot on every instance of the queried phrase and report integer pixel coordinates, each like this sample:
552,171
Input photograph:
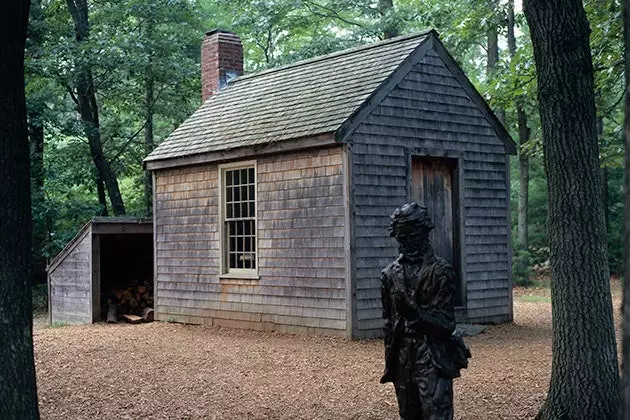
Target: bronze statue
422,356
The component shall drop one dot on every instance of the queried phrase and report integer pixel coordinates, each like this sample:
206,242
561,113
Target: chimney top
219,30
221,60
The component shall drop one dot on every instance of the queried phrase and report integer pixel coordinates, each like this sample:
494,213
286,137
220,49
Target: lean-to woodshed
107,254
272,199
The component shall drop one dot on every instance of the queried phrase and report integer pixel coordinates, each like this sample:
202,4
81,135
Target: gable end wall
429,111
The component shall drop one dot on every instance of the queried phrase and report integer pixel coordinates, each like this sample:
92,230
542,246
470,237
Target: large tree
18,392
523,138
87,105
585,376
626,293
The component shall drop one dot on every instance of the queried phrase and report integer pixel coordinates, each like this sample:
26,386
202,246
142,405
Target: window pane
237,194
239,260
228,194
240,234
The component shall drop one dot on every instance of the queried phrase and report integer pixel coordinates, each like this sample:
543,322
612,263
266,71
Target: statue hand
402,299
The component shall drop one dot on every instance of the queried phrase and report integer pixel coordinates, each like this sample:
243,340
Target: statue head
411,225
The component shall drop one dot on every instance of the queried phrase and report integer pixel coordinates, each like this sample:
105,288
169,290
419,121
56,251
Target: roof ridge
334,54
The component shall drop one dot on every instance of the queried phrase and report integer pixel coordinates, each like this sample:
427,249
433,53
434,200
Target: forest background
108,80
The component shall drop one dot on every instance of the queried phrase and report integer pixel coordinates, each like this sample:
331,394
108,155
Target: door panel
434,185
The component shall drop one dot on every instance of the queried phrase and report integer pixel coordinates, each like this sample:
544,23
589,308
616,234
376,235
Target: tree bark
18,390
493,49
149,145
88,107
523,138
492,43
100,193
626,284
584,374
390,29
149,142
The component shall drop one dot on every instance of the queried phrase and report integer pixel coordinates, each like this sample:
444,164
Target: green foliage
521,267
535,298
615,220
129,40
135,41
40,298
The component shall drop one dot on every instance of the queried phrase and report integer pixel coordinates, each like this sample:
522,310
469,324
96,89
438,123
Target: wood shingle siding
70,285
430,110
300,212
337,142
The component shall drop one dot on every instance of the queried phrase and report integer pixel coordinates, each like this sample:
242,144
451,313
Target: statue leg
409,405
436,395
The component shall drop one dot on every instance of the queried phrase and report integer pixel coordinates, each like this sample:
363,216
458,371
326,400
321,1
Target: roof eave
289,145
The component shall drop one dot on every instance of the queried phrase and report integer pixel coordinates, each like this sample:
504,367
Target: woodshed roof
303,99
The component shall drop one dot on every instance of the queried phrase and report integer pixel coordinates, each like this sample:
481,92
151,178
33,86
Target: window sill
239,278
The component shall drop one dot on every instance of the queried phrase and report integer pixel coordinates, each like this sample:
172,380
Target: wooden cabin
272,200
107,254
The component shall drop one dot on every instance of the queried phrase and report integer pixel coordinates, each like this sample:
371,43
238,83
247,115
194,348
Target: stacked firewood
133,304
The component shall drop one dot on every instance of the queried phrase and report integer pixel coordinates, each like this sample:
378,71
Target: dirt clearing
172,371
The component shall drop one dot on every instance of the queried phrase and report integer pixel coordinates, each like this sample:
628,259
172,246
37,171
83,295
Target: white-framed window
239,250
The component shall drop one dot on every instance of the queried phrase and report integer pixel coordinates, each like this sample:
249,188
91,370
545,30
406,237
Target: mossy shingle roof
304,99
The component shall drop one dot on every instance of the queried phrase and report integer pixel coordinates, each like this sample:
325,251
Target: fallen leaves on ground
173,371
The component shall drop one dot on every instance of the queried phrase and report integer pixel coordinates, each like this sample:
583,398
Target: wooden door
434,185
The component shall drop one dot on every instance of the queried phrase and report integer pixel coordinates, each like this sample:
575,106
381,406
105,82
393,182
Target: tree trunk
626,284
523,138
149,142
492,45
102,198
493,49
584,374
390,29
149,145
88,107
36,140
18,390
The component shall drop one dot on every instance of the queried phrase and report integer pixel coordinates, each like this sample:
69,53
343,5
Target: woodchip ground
173,371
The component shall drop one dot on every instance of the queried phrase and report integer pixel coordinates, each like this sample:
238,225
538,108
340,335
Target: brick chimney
221,61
